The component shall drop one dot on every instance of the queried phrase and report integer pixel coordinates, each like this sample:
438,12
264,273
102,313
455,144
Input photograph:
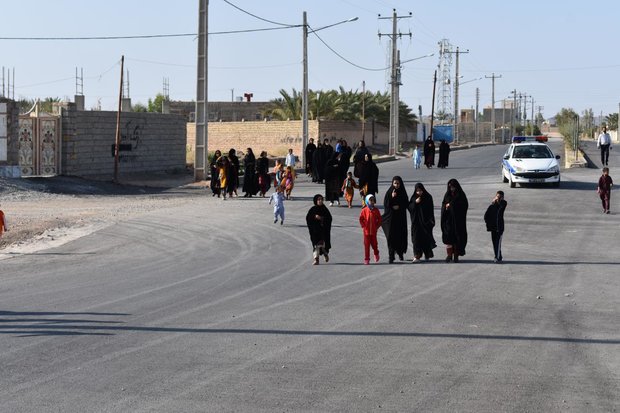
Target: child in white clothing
278,204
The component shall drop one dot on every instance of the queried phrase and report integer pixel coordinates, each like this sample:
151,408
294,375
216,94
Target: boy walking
370,221
604,189
348,188
278,204
417,158
494,219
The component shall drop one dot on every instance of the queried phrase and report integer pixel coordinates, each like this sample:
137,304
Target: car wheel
512,183
556,184
504,179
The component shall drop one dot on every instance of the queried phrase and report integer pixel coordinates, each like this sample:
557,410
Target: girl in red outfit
370,220
604,189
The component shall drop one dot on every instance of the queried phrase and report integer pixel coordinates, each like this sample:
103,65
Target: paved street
212,307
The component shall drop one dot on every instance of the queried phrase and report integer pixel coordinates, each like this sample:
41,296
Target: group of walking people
428,154
397,205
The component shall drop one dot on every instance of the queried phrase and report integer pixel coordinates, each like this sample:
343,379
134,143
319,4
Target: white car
529,160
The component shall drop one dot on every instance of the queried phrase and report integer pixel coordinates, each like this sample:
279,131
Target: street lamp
304,101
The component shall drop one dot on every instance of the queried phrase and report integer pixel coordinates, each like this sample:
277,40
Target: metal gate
39,145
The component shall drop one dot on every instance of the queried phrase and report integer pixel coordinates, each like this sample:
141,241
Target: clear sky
564,54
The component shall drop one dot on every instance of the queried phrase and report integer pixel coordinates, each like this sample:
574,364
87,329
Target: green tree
567,121
612,121
155,105
139,107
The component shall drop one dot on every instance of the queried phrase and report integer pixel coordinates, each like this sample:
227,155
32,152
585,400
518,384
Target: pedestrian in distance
250,180
214,184
444,154
369,178
262,171
429,152
417,157
370,221
604,144
277,198
604,189
310,148
290,159
454,221
223,165
333,179
319,222
232,181
494,220
348,188
422,213
3,226
394,219
288,181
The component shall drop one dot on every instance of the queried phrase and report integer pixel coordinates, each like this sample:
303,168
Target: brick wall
151,142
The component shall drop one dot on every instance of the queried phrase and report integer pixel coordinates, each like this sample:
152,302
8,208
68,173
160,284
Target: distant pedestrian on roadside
358,158
214,184
604,144
348,188
417,157
369,178
250,180
319,222
444,154
310,148
429,152
233,175
3,226
604,189
290,159
370,221
277,198
288,181
494,220
223,165
333,179
262,170
454,221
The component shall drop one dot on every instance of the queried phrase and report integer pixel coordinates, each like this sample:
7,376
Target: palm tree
286,107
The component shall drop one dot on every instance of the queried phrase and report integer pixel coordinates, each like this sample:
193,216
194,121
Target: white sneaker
331,203
338,203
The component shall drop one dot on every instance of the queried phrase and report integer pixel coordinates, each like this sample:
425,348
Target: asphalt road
212,307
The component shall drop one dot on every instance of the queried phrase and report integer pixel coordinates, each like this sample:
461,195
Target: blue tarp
442,133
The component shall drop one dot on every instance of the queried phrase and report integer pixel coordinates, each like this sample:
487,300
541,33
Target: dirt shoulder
44,212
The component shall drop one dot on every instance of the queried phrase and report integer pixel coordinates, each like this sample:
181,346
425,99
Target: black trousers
496,238
605,154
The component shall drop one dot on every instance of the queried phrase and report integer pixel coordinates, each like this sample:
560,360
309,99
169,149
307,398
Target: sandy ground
43,213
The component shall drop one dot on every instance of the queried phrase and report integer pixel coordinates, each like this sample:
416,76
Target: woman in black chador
319,222
318,164
262,171
394,219
250,181
429,152
421,210
232,181
215,185
444,154
454,221
369,177
333,181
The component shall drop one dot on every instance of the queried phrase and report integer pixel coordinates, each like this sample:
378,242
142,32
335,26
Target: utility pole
394,80
117,140
493,77
476,114
363,109
456,96
304,97
513,113
503,120
433,104
201,150
532,118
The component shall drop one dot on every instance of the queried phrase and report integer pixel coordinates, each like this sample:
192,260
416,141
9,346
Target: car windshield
532,151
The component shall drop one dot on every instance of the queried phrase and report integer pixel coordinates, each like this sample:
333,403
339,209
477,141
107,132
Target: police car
529,160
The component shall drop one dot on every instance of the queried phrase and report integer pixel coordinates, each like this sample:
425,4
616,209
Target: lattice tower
444,101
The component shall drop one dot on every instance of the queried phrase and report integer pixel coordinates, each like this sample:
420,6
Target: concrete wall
151,142
276,137
9,138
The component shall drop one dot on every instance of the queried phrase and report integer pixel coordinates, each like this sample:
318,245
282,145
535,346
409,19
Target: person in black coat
429,152
310,148
232,182
345,161
318,164
394,219
422,213
444,154
250,180
358,158
214,184
494,220
319,222
262,172
454,221
333,181
369,177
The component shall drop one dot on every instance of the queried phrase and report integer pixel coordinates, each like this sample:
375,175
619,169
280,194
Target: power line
258,17
148,36
345,59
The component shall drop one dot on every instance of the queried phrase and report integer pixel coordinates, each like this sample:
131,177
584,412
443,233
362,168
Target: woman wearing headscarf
394,219
358,158
454,221
262,170
444,154
319,222
233,173
318,164
369,177
223,165
429,152
332,179
215,185
422,213
250,182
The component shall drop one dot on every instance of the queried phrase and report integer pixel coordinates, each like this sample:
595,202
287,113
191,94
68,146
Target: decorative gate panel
39,145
